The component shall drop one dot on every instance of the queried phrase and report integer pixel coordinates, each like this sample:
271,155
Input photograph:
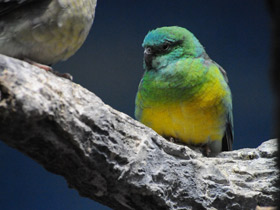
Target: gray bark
111,158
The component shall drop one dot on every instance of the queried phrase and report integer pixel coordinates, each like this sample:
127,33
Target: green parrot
184,95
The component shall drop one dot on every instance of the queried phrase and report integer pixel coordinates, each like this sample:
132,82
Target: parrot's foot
64,75
206,151
50,69
173,140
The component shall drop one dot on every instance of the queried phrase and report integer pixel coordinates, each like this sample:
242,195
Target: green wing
227,140
229,135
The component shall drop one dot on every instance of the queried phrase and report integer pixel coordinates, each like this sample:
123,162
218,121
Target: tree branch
115,160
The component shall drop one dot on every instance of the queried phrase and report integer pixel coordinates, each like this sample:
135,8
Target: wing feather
227,140
228,137
7,6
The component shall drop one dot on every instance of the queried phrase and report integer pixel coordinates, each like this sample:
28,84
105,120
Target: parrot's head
165,45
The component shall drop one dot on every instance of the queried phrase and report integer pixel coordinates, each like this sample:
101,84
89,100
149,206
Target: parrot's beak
148,57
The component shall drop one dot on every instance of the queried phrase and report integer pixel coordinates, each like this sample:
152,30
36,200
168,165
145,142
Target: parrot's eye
166,46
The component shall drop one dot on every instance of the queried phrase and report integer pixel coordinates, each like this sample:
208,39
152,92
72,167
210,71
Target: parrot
44,32
184,95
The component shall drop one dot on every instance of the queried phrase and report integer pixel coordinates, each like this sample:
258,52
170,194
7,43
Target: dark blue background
235,34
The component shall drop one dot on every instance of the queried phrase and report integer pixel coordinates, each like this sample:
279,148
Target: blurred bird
184,95
44,31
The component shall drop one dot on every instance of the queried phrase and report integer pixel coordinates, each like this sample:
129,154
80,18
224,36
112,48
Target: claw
50,69
41,66
206,151
173,140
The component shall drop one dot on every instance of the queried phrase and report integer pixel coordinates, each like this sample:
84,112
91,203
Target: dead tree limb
115,160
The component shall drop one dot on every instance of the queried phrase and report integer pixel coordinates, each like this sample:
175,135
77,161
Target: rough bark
115,160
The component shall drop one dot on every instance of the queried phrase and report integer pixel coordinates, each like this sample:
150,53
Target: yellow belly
187,122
